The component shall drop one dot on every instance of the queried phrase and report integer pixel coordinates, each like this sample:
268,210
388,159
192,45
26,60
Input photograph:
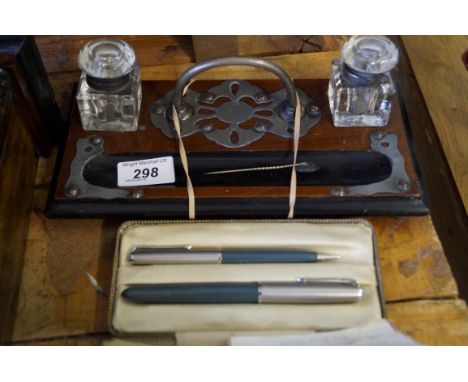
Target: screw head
159,108
95,140
338,191
261,97
138,194
379,135
403,186
207,127
206,98
72,191
313,110
261,127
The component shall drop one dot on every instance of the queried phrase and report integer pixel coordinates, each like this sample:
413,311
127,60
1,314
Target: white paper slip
146,172
379,333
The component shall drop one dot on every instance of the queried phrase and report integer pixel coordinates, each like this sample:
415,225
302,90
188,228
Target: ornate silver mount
88,148
234,113
77,187
398,181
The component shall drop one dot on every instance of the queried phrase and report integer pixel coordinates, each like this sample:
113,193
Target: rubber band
184,159
293,183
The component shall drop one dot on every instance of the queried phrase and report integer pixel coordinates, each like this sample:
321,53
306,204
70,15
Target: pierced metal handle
198,113
233,61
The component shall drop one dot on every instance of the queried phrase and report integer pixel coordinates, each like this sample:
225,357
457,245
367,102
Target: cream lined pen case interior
352,240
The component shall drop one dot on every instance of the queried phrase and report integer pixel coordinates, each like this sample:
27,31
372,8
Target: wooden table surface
58,303
443,79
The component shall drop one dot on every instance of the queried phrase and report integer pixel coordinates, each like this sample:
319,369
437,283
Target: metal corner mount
234,113
77,187
398,181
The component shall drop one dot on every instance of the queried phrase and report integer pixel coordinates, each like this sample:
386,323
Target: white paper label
145,172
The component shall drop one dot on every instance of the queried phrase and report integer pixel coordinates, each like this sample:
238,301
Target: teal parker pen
187,255
301,291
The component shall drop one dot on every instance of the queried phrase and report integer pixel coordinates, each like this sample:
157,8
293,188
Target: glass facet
109,93
360,84
370,54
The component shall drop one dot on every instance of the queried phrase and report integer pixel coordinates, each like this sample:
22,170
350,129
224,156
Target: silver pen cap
327,257
310,291
173,255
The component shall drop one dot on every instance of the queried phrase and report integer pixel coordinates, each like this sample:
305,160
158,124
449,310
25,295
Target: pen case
214,324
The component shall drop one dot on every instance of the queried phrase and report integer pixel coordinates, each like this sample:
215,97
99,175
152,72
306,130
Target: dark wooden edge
410,138
5,108
232,207
60,154
18,173
20,57
239,208
36,75
446,206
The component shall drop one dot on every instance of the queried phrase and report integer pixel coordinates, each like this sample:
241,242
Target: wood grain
320,137
207,47
79,340
20,57
44,311
17,172
413,264
412,260
60,53
432,322
444,200
280,45
443,79
306,66
63,84
47,308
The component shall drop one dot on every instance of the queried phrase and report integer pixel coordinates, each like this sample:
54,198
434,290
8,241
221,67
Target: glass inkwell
360,84
109,93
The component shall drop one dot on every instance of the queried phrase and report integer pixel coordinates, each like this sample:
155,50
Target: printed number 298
145,173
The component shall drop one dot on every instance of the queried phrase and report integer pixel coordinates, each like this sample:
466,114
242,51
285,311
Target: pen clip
328,280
